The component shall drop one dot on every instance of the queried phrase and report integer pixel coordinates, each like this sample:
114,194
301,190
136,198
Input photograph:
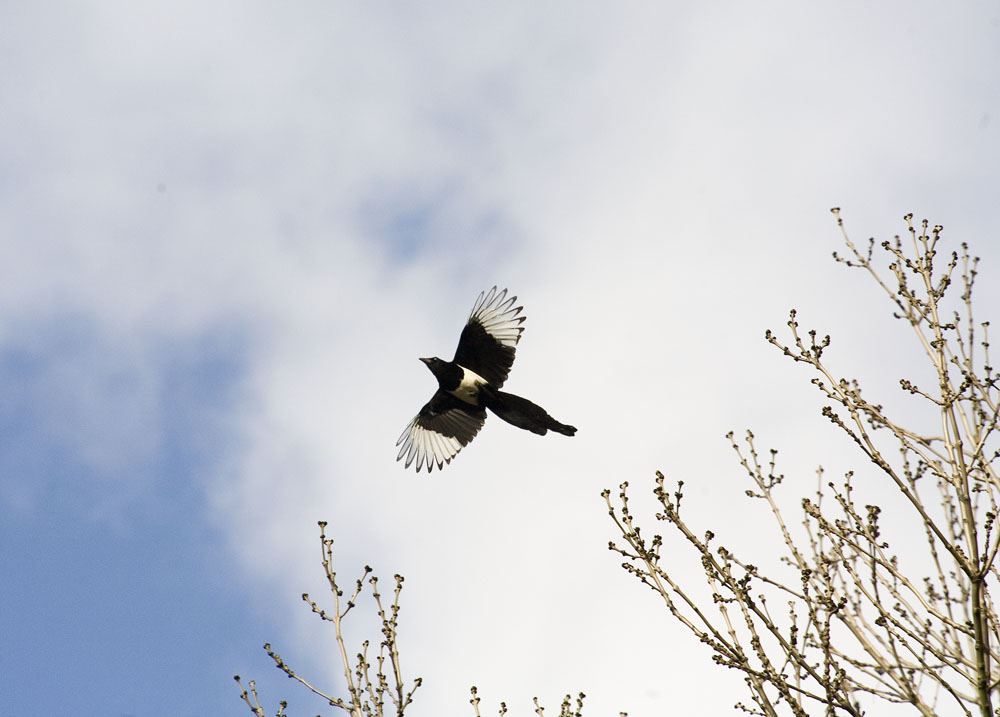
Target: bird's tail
524,414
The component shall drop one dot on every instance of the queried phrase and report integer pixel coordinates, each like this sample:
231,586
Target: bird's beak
426,361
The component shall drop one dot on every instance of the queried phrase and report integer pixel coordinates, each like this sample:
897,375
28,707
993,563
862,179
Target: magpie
470,383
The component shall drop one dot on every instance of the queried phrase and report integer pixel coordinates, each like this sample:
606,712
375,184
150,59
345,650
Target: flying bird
470,383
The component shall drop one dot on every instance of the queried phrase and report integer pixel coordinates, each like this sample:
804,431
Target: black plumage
470,384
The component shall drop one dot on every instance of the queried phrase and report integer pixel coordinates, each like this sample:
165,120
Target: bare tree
368,694
846,620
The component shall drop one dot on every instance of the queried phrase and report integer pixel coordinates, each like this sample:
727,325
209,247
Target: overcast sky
228,230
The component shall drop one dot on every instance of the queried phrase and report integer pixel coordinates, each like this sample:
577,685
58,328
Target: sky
228,231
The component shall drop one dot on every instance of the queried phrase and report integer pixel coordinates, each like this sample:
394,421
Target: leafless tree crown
372,690
843,623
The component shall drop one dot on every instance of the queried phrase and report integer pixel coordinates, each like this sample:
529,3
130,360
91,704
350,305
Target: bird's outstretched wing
487,343
442,428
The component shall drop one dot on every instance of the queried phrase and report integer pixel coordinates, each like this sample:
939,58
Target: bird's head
437,366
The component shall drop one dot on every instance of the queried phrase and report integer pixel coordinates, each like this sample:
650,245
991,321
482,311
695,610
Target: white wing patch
499,316
429,447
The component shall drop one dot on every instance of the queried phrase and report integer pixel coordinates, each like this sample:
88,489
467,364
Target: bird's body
468,387
470,384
